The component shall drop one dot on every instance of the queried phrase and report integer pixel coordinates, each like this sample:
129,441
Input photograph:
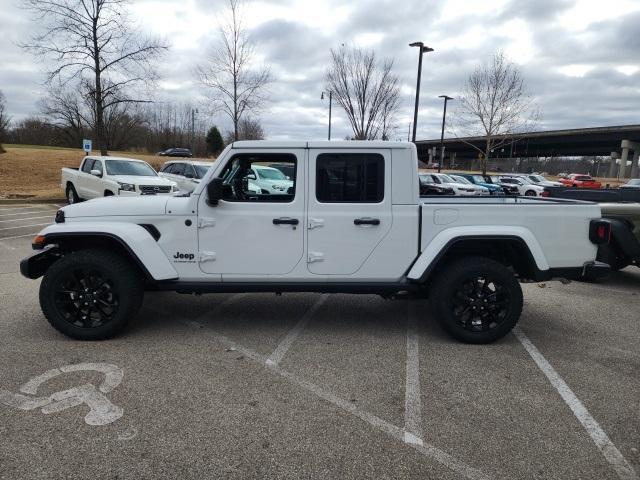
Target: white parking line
597,434
24,213
20,219
412,402
281,350
25,226
18,236
23,207
397,433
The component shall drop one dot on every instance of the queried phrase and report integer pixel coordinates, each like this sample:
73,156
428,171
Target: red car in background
581,181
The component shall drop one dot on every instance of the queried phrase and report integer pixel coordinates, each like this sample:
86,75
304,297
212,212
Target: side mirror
214,191
250,176
96,173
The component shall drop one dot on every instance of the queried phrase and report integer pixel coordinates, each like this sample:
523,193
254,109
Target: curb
17,201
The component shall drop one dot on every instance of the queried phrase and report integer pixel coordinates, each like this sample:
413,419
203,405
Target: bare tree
65,109
248,129
94,42
4,120
366,89
495,105
237,86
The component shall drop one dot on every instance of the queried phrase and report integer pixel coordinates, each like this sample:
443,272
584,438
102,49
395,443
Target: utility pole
444,115
193,127
423,49
330,101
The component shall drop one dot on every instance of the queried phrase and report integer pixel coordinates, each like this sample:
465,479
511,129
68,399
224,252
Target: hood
142,180
117,206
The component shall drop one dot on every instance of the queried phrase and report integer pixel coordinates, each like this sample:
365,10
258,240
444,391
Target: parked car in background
429,187
106,176
269,179
507,188
176,152
458,188
288,169
186,173
480,181
580,181
540,180
624,247
463,180
524,186
633,183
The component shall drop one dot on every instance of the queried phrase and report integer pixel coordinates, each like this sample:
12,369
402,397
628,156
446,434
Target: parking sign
86,145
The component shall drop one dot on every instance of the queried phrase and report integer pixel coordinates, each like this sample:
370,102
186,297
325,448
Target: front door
254,232
349,208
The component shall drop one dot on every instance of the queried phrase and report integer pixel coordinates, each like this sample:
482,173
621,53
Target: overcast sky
580,58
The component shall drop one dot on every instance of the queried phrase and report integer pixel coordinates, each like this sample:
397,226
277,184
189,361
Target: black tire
530,193
108,193
72,195
108,286
476,300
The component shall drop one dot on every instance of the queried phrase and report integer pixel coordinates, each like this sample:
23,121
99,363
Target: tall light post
444,115
423,49
330,99
193,127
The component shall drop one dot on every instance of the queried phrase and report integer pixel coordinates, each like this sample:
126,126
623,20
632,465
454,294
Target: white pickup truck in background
351,221
106,176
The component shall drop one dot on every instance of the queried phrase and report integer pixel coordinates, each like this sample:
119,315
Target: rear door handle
285,221
366,221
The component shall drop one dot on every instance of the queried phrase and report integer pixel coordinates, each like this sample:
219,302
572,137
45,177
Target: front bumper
34,266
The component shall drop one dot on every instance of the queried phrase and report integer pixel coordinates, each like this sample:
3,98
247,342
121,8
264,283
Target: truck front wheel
91,294
476,299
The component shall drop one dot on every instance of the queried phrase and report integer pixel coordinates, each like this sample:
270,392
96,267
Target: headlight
174,188
126,187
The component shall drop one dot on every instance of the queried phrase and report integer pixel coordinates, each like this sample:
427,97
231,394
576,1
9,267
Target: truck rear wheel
476,300
91,294
72,195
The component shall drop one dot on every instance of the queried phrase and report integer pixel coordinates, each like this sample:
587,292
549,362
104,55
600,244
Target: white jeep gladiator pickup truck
351,222
106,176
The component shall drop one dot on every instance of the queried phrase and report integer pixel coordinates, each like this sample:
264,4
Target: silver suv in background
186,173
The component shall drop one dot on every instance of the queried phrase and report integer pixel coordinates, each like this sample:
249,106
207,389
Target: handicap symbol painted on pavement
102,411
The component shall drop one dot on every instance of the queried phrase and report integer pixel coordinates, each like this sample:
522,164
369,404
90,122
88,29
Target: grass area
34,171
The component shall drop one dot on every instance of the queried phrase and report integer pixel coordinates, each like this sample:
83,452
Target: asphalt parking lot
312,386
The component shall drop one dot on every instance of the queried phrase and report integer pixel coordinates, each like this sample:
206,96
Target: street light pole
444,115
330,101
423,49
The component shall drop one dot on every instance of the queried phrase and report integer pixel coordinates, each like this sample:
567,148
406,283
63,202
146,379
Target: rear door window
350,178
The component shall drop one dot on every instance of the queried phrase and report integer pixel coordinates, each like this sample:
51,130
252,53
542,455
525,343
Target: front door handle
366,221
285,221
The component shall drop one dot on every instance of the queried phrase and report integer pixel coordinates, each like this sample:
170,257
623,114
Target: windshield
126,167
270,174
583,178
460,179
536,178
525,180
478,179
634,182
426,179
446,178
201,170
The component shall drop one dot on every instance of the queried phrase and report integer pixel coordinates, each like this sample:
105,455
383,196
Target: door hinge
207,257
315,222
204,222
315,257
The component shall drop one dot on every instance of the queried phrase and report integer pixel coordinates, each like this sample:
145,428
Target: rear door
349,208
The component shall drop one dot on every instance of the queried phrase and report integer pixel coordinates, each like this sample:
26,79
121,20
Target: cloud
548,39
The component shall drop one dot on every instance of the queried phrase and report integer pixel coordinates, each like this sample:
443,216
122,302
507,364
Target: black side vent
153,231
